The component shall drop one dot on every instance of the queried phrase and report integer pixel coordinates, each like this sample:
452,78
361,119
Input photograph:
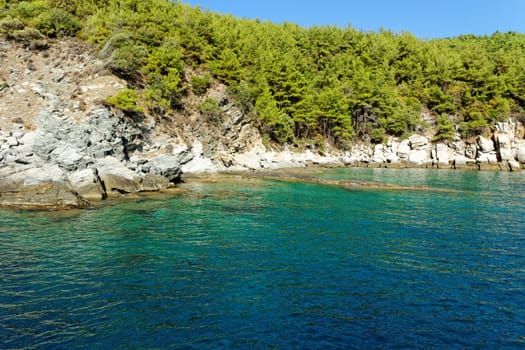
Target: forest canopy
302,83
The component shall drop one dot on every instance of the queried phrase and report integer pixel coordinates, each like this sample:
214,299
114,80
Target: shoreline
303,173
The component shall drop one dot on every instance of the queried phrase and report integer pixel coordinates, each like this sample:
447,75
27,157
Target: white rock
489,158
442,154
514,165
11,141
403,150
418,142
485,145
521,153
419,157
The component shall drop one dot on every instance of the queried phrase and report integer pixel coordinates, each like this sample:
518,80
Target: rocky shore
63,146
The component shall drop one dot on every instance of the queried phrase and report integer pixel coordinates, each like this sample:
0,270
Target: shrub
126,100
57,23
378,135
211,109
9,25
445,129
125,56
200,85
30,9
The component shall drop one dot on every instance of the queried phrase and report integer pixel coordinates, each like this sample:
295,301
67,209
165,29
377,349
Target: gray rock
68,157
503,148
116,177
87,184
166,165
152,182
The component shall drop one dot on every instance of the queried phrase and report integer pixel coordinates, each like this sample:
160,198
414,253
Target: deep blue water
260,264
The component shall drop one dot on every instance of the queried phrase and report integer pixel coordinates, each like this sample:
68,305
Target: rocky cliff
62,145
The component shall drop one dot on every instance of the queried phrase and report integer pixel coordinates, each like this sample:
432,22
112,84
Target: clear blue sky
424,18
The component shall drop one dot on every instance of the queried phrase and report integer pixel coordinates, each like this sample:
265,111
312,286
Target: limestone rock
116,177
418,142
87,184
471,151
166,165
521,153
513,165
485,145
419,157
404,150
487,158
503,146
442,154
459,161
152,182
379,155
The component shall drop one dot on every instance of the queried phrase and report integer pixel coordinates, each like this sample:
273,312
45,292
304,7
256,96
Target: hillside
99,98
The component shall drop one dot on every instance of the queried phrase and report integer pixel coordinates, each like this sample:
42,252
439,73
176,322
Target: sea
436,260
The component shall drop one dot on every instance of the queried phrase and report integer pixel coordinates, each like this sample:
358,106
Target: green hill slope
319,83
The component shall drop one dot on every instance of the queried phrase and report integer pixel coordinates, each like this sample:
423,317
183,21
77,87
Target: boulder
418,142
87,184
11,141
460,161
487,158
24,186
152,182
513,165
521,153
503,146
68,157
116,177
166,165
403,150
485,145
419,157
471,150
379,155
442,154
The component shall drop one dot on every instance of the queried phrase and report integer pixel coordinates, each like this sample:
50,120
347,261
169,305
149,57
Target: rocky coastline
62,146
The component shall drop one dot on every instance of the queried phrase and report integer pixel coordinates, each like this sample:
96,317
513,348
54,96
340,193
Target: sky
426,19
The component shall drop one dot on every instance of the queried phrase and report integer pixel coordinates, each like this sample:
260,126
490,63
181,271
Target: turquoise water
260,264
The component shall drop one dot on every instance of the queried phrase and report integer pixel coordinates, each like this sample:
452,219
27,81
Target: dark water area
267,264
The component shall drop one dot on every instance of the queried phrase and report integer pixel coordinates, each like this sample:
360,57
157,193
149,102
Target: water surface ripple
262,264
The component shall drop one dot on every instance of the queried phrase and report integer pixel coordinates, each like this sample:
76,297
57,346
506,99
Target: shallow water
248,263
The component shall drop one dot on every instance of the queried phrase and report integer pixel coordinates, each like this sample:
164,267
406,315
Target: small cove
266,263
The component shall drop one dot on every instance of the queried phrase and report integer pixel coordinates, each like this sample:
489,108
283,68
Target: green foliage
211,109
29,9
125,56
57,23
200,85
378,136
126,100
275,122
302,83
9,25
445,129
